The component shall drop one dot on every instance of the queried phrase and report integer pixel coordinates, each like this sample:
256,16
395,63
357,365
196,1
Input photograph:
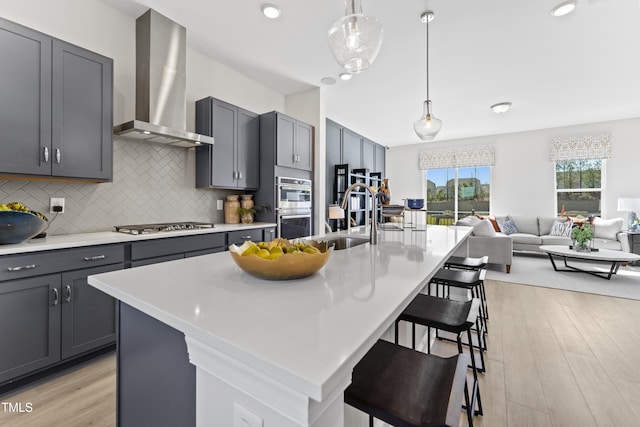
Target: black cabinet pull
22,267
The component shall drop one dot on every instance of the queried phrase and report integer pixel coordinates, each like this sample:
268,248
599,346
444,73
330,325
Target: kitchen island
282,351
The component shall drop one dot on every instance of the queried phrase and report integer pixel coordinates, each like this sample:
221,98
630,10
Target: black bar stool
452,316
471,280
469,263
408,388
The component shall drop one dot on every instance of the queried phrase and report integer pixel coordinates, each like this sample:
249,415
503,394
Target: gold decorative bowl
287,267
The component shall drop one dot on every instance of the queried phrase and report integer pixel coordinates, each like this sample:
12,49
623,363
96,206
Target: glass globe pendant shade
355,39
428,125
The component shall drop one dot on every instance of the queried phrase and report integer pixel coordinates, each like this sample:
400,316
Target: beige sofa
532,232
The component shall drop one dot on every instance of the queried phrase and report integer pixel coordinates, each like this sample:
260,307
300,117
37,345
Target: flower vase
583,247
247,203
231,206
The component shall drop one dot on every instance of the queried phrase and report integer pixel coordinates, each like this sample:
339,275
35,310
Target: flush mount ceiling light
564,8
501,107
345,76
355,39
427,126
271,11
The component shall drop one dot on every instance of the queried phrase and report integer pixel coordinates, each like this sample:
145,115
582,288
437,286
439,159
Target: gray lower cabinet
268,234
241,236
48,310
172,248
30,319
56,112
233,161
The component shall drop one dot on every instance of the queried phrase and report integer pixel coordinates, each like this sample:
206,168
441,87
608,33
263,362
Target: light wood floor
556,358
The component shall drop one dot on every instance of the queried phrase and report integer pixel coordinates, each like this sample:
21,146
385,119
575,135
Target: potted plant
582,235
246,214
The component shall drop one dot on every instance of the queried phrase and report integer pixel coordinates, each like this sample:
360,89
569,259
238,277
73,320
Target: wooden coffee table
615,258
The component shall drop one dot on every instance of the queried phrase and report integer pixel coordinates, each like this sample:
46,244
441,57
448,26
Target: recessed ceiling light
328,80
346,76
564,8
271,11
501,107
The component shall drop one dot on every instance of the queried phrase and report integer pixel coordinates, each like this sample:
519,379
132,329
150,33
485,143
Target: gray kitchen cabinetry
268,234
49,312
368,154
172,248
291,139
241,236
232,161
351,148
56,112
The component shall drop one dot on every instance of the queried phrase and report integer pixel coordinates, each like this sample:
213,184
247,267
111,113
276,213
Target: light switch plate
220,204
242,417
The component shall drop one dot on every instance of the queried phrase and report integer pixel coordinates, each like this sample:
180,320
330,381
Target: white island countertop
303,336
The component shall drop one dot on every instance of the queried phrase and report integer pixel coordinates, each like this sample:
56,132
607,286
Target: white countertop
106,237
303,333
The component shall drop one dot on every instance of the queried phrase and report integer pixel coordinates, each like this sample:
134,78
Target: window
579,187
454,193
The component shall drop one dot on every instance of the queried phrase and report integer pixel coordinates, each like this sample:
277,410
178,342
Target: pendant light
355,39
427,126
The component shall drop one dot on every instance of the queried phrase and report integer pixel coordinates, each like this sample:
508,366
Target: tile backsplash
151,183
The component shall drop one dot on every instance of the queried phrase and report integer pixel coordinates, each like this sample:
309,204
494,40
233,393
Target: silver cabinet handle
22,267
56,296
239,175
94,258
45,153
68,298
246,237
58,155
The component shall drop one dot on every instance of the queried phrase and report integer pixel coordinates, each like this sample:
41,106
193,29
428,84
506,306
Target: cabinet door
285,141
381,153
334,157
368,154
304,147
248,150
268,234
241,236
88,315
351,148
25,104
224,125
30,319
82,108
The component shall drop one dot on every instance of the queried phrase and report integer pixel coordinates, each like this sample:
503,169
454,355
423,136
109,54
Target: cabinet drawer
45,262
241,236
176,245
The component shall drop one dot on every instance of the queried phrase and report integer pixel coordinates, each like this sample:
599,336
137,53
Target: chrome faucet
373,236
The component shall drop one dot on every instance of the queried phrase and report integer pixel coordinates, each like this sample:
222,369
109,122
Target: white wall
522,181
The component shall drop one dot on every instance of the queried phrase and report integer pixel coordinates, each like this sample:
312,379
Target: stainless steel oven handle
295,216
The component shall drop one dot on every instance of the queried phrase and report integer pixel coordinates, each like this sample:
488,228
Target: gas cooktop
162,227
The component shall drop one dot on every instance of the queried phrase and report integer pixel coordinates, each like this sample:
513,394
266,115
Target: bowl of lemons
281,259
18,223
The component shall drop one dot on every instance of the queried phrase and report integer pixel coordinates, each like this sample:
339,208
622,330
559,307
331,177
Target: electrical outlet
56,205
242,417
220,204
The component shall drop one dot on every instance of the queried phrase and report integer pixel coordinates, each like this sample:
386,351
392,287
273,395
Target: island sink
344,242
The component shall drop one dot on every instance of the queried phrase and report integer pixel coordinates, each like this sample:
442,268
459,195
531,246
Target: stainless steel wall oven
294,207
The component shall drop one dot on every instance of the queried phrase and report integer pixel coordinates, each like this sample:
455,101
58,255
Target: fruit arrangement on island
281,259
19,207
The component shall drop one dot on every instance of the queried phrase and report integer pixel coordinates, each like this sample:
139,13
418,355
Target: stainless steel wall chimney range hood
161,82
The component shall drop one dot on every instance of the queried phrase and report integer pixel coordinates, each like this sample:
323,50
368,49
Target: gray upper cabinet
351,148
82,111
292,140
380,156
368,155
56,112
334,157
232,161
25,106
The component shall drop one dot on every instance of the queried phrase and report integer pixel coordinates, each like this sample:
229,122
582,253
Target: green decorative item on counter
582,235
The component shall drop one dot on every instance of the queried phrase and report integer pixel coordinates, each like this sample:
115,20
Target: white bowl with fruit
18,223
281,259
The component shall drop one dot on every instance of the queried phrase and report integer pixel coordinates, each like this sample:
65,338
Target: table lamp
336,212
631,205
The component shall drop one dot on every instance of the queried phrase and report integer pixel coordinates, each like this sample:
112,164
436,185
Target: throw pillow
607,228
493,221
507,227
561,228
484,229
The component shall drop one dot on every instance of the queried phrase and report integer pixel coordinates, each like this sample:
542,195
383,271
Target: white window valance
458,157
588,147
